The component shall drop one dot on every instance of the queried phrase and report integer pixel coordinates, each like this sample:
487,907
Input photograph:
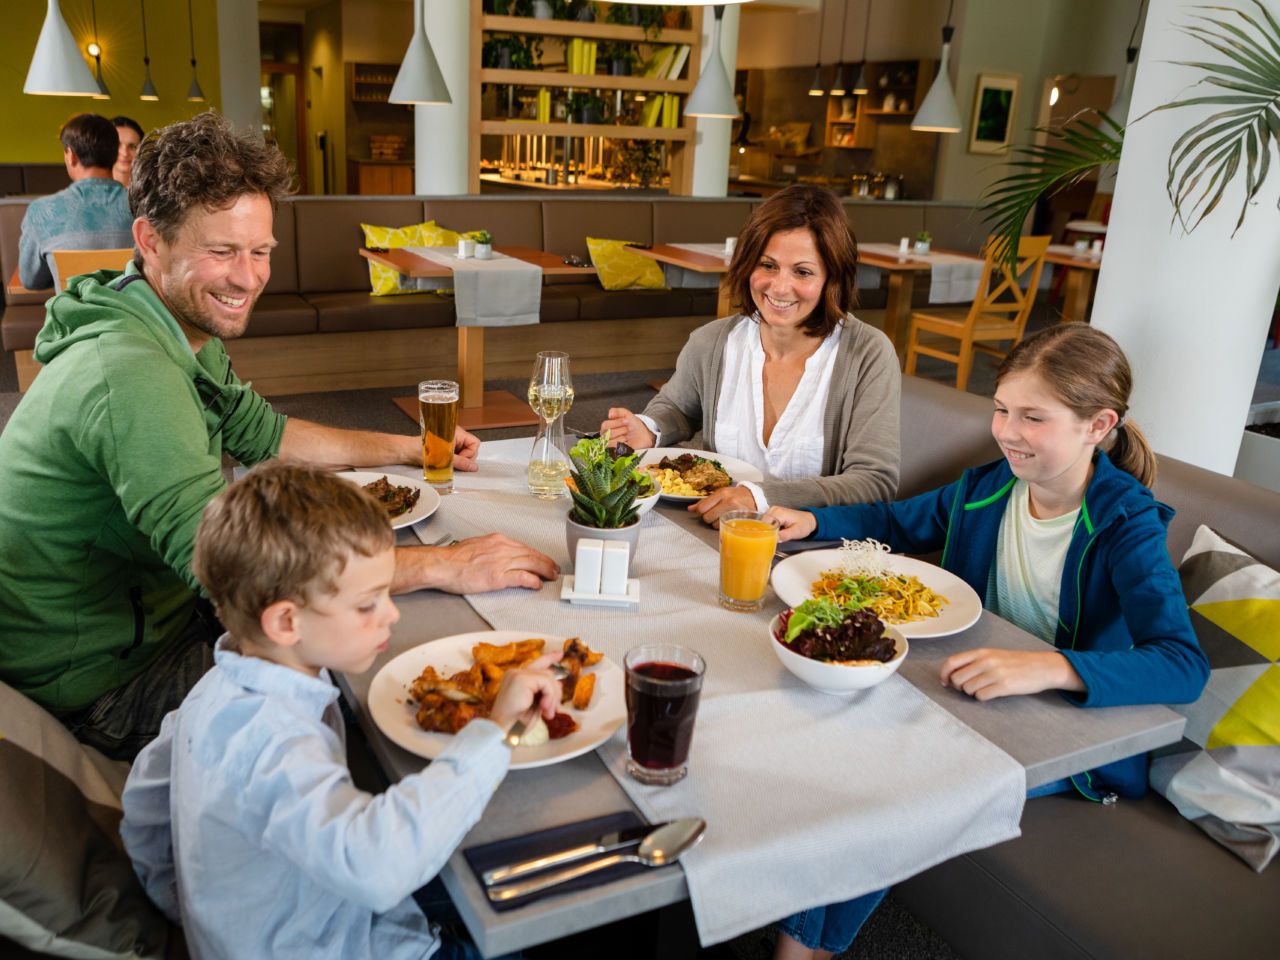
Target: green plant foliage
1213,151
607,486
638,160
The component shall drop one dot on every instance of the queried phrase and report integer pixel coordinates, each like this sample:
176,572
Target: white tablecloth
952,278
502,292
809,798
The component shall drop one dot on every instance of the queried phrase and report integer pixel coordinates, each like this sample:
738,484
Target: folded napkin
514,849
502,292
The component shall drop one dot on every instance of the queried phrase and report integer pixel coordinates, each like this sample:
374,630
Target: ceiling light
194,93
1053,96
713,94
57,67
938,113
148,88
94,50
419,79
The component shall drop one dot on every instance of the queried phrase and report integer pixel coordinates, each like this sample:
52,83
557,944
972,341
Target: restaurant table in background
14,287
1081,269
901,269
479,409
695,257
1049,737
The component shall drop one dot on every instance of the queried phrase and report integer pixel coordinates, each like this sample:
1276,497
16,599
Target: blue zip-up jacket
1122,617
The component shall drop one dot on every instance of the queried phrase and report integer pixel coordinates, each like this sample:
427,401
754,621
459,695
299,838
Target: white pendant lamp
713,95
939,113
419,79
57,68
194,93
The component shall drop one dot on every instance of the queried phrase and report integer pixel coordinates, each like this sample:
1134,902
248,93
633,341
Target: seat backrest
1003,290
72,263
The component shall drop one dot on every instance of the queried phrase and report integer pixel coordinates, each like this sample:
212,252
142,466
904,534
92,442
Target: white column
712,134
440,130
1190,310
240,65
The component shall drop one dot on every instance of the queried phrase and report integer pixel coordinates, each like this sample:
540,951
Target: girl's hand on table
623,426
985,673
466,448
795,524
715,505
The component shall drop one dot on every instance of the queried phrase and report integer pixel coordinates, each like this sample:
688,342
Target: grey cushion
339,312
281,314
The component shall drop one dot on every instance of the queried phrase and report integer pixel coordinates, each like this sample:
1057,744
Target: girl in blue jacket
1063,538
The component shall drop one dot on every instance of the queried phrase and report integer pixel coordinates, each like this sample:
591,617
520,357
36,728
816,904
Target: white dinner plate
394,712
428,500
793,580
737,469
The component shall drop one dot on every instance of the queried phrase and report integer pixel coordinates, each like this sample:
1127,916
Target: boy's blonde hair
283,532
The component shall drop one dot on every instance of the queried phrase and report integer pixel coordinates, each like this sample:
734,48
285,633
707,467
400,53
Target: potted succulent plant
923,240
604,485
484,244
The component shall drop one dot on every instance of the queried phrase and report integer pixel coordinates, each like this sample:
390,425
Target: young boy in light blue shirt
241,817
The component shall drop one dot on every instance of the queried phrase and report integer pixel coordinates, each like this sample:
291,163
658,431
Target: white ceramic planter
484,251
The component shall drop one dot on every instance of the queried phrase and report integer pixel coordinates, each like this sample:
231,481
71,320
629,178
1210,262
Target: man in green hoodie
110,458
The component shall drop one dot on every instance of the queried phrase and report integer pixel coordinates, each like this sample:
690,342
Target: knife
606,843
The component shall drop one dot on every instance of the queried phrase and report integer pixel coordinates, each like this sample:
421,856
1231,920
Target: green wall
31,123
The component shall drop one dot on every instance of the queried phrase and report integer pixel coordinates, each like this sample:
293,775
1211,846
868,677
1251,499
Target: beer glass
438,415
550,396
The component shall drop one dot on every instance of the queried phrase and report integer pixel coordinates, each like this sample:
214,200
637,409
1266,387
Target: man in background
91,214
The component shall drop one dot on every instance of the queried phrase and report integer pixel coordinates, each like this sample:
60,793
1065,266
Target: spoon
664,845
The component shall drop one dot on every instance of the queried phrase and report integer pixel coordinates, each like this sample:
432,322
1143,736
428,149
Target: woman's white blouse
795,446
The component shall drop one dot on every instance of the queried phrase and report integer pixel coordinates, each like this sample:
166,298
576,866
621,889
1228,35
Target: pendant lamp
148,88
95,50
419,79
938,113
837,85
194,93
57,68
713,95
860,85
816,87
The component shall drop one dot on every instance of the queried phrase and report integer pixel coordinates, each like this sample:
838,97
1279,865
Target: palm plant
1202,162
605,485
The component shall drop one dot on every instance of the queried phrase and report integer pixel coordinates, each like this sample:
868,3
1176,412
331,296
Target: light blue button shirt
90,214
244,825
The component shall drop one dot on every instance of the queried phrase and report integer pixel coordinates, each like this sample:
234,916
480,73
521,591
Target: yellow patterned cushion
434,235
383,281
623,269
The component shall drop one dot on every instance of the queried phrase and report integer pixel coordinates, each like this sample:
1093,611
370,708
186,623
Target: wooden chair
990,319
72,263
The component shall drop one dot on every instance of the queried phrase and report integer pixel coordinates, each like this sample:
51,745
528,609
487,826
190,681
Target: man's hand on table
466,450
986,673
477,565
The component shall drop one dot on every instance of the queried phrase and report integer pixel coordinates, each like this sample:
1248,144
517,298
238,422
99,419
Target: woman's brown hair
1089,373
801,207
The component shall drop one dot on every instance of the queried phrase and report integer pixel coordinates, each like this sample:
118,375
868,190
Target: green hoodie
105,468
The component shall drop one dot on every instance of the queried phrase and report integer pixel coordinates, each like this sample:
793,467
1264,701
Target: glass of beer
664,684
747,542
438,414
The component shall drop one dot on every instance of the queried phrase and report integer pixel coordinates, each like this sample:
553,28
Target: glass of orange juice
747,542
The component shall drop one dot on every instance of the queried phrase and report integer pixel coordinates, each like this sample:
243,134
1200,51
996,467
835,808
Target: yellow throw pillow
433,234
620,268
384,281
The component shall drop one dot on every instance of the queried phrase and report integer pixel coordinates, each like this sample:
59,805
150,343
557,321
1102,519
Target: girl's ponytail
1130,452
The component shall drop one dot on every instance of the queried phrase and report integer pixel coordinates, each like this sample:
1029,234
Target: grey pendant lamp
95,51
148,88
419,79
194,93
57,67
816,86
713,94
837,84
860,85
939,113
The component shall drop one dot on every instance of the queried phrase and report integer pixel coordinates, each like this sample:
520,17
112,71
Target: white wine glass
550,396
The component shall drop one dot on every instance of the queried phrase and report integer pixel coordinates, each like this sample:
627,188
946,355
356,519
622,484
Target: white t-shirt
795,446
1030,555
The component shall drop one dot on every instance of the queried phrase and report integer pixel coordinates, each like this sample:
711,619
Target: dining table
698,258
1041,738
1081,272
478,408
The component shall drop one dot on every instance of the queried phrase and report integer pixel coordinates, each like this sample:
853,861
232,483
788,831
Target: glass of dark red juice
664,682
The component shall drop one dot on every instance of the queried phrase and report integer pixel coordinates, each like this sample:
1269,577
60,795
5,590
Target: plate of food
407,499
920,599
689,475
425,695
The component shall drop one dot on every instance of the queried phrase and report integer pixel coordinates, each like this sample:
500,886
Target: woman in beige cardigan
794,383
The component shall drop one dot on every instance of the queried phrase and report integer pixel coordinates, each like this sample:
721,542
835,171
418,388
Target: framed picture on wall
994,106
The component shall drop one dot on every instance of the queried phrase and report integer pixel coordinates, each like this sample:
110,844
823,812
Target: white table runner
683,277
952,278
809,798
502,292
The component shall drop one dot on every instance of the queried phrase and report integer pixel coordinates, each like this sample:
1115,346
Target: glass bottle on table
550,396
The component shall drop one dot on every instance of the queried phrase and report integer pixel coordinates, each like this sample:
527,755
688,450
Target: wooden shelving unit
678,140
370,82
859,133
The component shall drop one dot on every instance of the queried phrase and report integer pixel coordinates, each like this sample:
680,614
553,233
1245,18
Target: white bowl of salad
836,649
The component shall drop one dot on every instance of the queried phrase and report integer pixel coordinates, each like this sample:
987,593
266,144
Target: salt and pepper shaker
586,565
599,575
1096,248
613,568
904,245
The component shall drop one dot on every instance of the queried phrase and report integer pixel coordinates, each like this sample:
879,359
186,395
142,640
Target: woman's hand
466,448
985,673
715,505
623,426
793,524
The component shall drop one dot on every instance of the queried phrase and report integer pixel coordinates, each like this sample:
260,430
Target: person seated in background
241,818
130,134
794,383
90,214
112,455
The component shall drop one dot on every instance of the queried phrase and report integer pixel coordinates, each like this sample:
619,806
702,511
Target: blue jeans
834,927
455,944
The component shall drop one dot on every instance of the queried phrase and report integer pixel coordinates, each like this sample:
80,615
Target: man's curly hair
202,162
